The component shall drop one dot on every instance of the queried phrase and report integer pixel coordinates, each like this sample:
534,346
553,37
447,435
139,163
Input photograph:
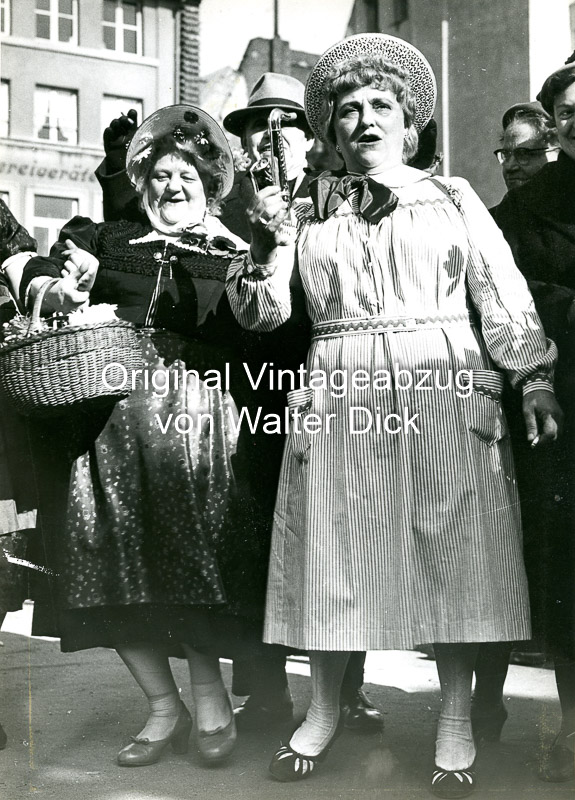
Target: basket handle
37,307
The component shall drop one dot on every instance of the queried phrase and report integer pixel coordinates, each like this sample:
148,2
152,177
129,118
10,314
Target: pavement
68,714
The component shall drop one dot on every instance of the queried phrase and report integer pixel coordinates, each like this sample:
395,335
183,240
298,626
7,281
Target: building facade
487,55
68,67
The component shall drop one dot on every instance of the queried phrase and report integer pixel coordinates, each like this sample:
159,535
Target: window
4,16
56,115
113,107
4,109
122,26
57,20
50,214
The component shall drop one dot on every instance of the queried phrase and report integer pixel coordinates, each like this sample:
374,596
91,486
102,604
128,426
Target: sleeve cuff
259,271
537,385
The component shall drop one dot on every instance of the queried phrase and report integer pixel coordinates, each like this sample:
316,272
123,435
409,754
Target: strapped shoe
143,752
289,765
453,783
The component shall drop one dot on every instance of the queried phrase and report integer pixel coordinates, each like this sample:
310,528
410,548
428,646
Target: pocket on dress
300,401
482,410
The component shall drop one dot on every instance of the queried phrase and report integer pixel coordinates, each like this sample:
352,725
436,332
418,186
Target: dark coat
538,221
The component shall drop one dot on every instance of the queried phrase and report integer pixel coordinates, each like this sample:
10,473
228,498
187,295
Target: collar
399,176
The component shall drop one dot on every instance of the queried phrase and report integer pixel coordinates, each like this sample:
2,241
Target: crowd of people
431,517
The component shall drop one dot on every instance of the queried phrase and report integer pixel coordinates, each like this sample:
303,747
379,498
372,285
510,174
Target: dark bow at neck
330,189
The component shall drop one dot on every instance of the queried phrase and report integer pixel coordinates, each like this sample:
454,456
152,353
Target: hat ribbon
330,190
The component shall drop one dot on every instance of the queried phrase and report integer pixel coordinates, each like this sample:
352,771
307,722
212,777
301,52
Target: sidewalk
67,715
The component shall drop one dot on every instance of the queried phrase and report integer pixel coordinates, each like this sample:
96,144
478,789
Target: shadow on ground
67,715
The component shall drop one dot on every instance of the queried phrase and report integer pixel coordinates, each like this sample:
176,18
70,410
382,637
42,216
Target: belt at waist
363,325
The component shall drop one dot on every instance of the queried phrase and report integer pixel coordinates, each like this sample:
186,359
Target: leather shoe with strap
359,714
256,715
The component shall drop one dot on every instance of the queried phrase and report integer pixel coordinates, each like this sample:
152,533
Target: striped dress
387,536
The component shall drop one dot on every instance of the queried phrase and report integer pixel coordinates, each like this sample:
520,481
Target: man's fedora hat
273,90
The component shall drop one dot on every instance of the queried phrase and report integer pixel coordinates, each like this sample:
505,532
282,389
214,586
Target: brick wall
189,86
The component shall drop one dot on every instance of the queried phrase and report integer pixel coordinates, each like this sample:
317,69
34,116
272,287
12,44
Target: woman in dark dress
154,556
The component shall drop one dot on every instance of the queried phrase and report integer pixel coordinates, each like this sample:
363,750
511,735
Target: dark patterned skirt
161,542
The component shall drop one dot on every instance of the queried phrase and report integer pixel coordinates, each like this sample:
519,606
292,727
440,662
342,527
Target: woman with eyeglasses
528,142
538,221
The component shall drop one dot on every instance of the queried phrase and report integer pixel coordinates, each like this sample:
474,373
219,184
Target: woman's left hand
543,417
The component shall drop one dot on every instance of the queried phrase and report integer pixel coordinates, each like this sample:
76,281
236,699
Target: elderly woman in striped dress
407,530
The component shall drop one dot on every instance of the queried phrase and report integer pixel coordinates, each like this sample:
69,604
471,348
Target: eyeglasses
522,155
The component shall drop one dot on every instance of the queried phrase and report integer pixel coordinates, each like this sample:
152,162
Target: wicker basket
47,373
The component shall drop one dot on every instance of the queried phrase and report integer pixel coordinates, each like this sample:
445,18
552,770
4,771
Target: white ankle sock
322,717
454,746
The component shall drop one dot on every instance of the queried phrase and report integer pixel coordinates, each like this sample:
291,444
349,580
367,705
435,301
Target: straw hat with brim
550,88
421,77
187,124
272,90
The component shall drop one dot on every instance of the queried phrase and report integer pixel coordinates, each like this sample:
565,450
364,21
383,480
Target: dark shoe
253,715
360,715
143,752
560,764
487,723
215,746
289,765
453,783
3,738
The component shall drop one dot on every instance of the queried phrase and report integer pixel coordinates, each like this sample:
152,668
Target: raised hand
266,215
117,136
80,265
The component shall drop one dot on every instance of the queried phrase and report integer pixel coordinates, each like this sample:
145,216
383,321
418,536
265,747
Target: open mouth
368,138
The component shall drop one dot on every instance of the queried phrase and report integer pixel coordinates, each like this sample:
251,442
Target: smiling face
175,191
564,113
369,127
297,142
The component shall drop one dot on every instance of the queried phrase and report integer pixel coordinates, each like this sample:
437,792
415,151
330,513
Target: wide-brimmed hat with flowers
421,77
188,125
